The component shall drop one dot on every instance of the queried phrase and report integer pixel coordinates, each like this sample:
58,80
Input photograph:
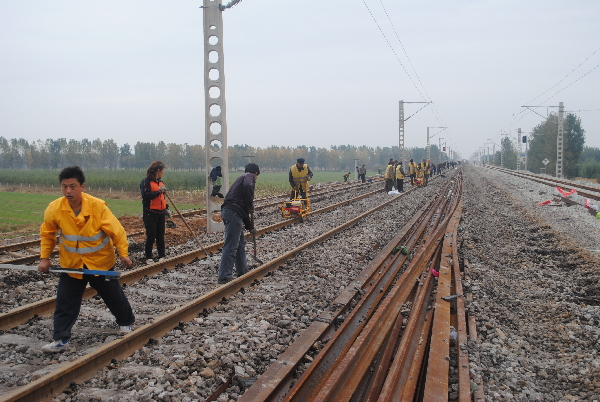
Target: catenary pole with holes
215,122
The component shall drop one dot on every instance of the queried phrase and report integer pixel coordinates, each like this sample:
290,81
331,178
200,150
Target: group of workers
395,173
89,234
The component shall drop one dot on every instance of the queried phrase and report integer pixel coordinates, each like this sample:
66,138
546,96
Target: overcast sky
298,72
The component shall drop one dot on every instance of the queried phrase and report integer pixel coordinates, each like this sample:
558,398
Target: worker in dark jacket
216,178
236,210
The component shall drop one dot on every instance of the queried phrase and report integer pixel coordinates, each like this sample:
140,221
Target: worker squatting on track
155,209
299,177
236,210
89,235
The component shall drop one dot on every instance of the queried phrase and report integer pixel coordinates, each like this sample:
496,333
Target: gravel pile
535,288
238,338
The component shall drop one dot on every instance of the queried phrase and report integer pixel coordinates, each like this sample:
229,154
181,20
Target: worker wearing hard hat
299,177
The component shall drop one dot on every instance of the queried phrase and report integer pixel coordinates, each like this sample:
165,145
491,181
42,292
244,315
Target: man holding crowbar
89,235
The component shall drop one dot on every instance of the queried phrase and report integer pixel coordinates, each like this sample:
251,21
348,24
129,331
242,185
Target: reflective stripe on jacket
86,239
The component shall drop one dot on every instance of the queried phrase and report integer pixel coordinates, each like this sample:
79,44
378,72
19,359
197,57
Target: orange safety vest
158,202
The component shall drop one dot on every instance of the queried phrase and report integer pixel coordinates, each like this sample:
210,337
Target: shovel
254,239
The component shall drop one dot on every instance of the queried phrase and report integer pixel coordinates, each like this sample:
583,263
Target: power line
393,51
436,114
558,83
403,49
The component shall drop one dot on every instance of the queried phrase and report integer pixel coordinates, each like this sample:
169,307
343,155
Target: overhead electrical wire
426,96
525,112
393,51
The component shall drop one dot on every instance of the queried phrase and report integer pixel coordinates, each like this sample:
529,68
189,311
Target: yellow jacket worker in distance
89,234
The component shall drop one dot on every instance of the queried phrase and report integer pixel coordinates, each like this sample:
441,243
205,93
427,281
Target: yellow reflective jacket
300,177
88,238
399,172
425,167
389,173
412,167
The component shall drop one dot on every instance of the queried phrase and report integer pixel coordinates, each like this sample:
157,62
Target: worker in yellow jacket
400,177
426,167
299,177
89,233
412,171
390,175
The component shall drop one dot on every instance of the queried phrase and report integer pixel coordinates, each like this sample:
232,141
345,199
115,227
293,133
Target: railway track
583,190
395,339
46,306
161,325
27,252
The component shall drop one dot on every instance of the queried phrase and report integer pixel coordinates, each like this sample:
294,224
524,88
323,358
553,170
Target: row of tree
578,160
98,154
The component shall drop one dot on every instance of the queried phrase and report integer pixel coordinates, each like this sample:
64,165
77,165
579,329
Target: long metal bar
59,270
307,385
342,381
21,314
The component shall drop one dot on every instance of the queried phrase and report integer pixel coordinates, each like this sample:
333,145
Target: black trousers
400,185
412,178
68,302
426,178
388,185
301,194
362,177
155,230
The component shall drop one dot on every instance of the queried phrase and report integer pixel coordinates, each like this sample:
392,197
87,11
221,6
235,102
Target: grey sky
297,72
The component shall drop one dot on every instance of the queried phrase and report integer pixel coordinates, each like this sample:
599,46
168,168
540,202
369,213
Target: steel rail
317,383
449,283
82,367
45,306
273,384
27,259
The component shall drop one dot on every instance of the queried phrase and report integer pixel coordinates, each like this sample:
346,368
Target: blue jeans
234,249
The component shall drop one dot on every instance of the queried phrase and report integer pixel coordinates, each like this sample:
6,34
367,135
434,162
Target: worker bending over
299,177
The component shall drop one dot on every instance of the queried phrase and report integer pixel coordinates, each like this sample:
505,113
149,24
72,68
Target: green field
24,212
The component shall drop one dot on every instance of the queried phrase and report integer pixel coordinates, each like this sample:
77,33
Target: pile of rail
395,337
